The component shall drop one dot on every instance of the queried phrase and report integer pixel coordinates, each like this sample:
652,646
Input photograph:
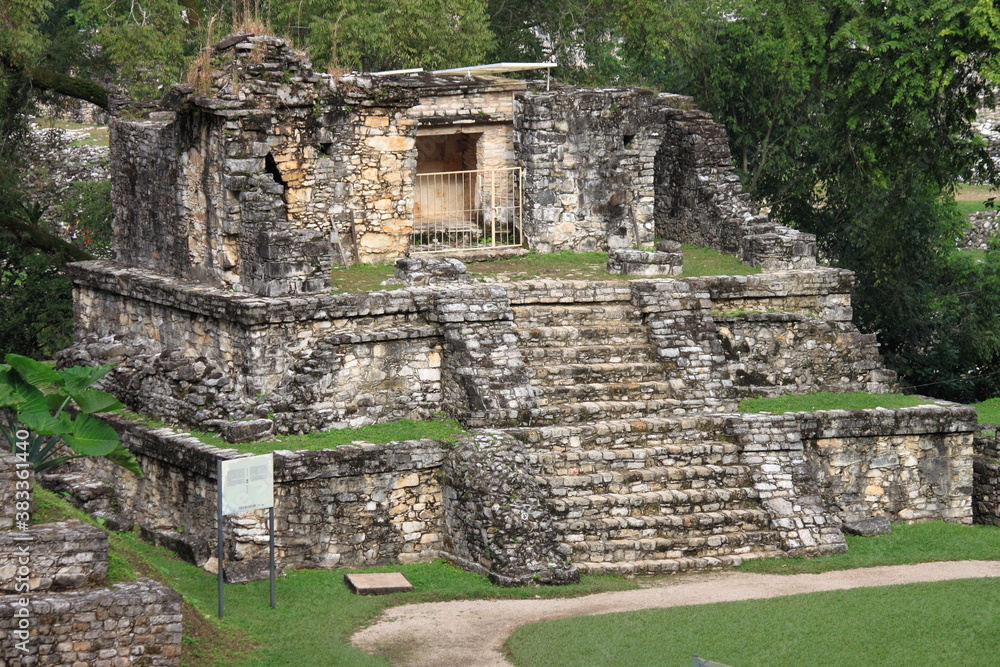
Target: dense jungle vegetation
850,119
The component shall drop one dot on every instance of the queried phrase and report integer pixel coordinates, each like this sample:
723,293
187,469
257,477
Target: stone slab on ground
377,583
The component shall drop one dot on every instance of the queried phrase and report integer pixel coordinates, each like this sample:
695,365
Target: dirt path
472,633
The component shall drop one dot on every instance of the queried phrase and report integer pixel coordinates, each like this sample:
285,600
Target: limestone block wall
588,166
907,465
60,556
354,506
136,623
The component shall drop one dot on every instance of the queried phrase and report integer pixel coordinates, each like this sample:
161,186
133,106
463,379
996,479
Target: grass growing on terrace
439,428
972,198
698,262
315,614
825,400
945,623
988,411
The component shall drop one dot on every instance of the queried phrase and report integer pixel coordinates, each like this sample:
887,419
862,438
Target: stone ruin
608,434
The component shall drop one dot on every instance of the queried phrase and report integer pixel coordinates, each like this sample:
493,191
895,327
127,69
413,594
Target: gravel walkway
472,633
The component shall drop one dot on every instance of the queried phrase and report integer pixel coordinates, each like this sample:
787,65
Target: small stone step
576,413
588,354
545,314
657,548
604,391
674,565
652,478
683,436
595,334
651,525
678,501
569,374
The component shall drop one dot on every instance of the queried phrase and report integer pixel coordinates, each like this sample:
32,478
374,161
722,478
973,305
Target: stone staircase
591,362
647,496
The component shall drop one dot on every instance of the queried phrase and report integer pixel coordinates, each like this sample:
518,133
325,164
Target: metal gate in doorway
456,211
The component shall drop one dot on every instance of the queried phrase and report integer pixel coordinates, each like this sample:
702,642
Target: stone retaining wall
353,506
202,356
60,556
136,623
907,465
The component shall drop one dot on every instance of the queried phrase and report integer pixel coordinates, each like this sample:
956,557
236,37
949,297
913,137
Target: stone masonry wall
354,506
699,198
136,623
207,357
907,465
588,157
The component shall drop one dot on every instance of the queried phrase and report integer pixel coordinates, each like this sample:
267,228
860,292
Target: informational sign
243,485
248,484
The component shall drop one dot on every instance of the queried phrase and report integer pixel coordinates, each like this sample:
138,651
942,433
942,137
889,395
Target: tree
852,120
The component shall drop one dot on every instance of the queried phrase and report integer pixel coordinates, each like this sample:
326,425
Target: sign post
246,484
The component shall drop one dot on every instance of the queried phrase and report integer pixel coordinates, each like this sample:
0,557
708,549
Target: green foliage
823,100
825,400
87,213
35,396
37,303
939,623
384,34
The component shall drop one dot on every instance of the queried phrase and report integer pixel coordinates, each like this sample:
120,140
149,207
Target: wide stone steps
582,461
684,439
656,548
534,315
645,479
588,354
568,374
589,411
667,501
675,565
620,334
652,525
588,392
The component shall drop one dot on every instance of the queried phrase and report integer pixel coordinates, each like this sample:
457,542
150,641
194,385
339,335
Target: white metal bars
467,210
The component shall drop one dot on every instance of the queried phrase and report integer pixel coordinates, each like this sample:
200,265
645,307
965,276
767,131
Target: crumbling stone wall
699,198
54,608
496,521
983,225
587,157
986,479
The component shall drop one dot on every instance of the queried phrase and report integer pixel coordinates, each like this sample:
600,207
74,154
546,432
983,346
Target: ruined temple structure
610,439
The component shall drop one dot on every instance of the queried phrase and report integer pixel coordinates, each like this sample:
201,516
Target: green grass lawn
945,623
698,262
933,541
988,411
971,198
825,400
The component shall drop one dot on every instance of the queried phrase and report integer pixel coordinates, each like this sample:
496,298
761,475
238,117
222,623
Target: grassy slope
989,411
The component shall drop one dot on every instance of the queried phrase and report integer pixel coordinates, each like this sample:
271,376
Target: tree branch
34,237
81,89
